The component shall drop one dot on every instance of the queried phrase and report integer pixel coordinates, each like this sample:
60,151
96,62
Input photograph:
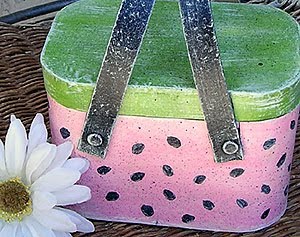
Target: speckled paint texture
162,172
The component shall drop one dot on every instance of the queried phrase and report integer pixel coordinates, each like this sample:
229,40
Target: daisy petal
55,180
72,195
37,229
19,232
25,230
15,147
12,118
1,225
2,160
9,229
63,152
38,119
38,137
79,164
43,200
82,224
39,160
38,133
62,234
55,220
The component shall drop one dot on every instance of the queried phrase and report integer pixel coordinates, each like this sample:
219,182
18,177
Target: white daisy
36,179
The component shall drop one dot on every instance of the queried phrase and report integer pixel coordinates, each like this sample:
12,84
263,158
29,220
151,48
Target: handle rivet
94,139
230,147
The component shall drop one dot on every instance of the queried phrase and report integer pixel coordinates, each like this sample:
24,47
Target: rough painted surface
260,58
161,172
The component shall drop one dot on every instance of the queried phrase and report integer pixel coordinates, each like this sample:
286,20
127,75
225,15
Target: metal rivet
230,147
95,139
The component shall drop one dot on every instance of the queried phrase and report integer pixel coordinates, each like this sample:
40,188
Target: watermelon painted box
160,168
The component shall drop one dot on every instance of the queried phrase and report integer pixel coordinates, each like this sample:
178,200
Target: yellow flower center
15,201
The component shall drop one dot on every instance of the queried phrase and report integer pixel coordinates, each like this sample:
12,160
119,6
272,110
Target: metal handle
115,72
209,79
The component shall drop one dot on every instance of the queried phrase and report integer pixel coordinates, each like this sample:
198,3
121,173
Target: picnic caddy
154,159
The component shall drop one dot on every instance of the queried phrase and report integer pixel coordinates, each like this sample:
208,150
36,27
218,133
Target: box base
162,172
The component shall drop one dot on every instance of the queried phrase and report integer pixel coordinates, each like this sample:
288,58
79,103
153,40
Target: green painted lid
259,48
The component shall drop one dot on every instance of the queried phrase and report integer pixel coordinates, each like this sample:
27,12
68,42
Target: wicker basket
22,93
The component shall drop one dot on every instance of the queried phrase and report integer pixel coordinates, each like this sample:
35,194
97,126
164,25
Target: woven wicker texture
22,93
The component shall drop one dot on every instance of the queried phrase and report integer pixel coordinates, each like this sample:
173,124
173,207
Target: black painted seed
186,218
65,133
289,167
112,196
199,179
281,160
286,190
236,172
168,170
241,203
265,189
293,124
269,143
103,170
138,148
265,214
208,205
147,210
174,142
138,176
169,195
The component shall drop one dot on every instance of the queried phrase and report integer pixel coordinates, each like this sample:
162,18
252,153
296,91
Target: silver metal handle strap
124,45
209,79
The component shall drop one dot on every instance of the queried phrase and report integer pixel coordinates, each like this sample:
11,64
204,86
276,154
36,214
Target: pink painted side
212,204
